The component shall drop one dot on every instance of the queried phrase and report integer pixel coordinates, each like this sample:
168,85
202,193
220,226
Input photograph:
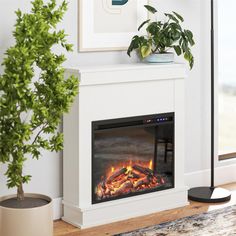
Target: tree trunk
20,193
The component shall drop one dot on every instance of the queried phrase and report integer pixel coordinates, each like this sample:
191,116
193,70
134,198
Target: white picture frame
93,37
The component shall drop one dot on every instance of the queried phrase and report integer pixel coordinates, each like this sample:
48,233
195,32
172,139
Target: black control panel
161,119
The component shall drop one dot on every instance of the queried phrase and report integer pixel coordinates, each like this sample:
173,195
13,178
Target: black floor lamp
211,194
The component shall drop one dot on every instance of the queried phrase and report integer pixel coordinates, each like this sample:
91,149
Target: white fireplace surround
110,92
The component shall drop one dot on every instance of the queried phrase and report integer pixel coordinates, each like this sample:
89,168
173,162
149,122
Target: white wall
47,173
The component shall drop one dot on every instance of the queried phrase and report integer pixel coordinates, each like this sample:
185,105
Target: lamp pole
211,194
212,96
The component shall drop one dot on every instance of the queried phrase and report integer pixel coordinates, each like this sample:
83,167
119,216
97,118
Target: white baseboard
57,208
223,175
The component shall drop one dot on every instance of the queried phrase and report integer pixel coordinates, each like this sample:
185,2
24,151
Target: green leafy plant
162,36
31,105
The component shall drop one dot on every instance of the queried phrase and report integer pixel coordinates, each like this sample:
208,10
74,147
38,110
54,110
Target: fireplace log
103,184
143,170
142,181
107,192
124,187
134,175
117,184
99,191
116,174
154,180
124,181
161,178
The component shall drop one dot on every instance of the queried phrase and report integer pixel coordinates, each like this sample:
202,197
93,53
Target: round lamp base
209,195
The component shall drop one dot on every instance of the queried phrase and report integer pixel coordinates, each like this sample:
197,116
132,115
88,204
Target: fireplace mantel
111,92
127,73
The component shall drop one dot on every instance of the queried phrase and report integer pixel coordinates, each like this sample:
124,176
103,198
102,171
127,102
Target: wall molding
223,175
57,208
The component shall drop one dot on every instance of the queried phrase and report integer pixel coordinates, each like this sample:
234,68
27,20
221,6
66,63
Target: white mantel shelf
143,72
111,92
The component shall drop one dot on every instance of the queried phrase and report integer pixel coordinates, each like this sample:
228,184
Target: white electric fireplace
124,143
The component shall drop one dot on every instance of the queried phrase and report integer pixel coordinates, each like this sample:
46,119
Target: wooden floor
63,229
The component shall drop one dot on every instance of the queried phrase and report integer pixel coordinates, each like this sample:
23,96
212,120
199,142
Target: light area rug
214,223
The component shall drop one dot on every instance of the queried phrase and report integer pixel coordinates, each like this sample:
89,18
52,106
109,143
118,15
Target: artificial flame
150,165
128,177
129,168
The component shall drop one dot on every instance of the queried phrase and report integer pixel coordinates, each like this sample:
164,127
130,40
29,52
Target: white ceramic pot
167,57
36,221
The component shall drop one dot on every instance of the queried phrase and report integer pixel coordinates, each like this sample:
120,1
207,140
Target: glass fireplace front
132,156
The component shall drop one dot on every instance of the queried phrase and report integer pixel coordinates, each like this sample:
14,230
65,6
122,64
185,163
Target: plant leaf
177,50
150,9
145,50
154,28
189,35
172,17
145,22
134,44
179,16
189,57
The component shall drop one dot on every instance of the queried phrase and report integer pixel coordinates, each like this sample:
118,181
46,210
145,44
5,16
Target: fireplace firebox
132,156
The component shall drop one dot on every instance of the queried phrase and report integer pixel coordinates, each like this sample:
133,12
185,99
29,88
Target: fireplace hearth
132,156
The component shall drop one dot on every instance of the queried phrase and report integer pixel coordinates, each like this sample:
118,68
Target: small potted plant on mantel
31,107
161,37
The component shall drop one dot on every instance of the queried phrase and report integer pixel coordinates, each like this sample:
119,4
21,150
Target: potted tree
161,37
31,107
